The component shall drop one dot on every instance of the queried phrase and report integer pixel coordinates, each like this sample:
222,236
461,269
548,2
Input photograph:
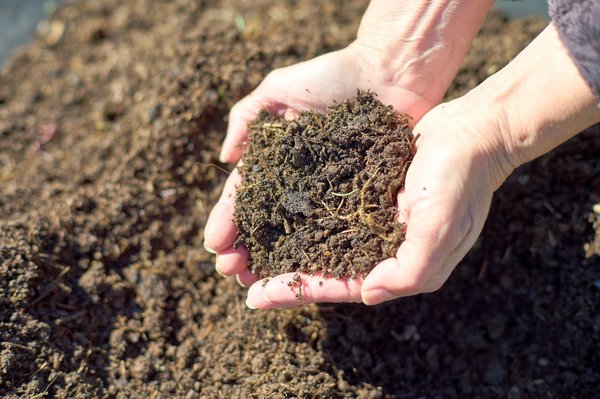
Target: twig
345,194
206,165
51,287
43,393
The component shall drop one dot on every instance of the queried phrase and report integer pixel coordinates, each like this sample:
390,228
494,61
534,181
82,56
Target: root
365,217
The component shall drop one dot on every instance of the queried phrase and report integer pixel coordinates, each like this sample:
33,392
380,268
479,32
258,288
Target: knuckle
415,283
235,109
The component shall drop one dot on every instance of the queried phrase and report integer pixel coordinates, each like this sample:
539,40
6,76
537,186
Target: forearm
536,102
420,44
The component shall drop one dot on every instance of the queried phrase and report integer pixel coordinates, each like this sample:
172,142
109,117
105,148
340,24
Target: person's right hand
310,85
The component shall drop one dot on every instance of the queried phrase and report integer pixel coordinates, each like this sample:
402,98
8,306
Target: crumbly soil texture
108,121
319,192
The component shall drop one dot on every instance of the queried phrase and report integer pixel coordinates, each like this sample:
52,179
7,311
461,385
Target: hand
447,195
407,53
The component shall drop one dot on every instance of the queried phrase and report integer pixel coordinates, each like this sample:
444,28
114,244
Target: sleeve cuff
578,24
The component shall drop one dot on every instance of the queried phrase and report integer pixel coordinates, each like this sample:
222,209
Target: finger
246,278
418,257
255,298
232,261
292,289
297,288
220,231
242,113
290,114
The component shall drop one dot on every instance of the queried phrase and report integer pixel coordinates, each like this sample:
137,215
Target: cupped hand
448,189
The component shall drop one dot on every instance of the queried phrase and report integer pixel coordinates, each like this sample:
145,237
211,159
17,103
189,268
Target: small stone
464,384
343,386
168,387
259,363
154,112
523,180
514,393
496,326
7,361
432,359
495,373
543,362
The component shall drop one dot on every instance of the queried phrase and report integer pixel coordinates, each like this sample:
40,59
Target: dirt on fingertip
318,193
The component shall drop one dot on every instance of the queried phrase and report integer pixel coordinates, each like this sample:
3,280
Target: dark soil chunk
319,192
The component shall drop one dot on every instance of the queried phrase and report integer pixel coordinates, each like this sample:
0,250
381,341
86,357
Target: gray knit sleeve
578,24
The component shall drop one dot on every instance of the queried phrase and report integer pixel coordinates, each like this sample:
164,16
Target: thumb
413,270
268,96
242,113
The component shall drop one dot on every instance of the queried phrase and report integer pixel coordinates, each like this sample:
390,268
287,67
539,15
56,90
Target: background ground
106,122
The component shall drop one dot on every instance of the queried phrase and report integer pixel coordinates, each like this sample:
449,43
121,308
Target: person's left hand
458,165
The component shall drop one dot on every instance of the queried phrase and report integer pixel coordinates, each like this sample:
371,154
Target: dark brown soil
319,192
105,123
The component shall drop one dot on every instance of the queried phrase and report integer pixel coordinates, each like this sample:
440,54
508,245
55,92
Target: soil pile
319,192
105,291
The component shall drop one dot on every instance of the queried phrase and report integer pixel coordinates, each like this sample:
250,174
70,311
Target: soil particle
316,187
593,248
141,368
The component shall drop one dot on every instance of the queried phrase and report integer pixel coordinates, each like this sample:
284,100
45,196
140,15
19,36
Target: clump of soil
319,192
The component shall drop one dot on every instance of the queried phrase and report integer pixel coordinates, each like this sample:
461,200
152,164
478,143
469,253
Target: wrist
536,102
418,46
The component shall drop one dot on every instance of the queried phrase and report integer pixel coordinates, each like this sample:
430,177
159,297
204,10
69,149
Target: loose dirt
105,291
319,192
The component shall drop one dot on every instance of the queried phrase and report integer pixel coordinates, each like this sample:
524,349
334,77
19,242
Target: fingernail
237,278
208,249
220,274
222,158
265,297
377,295
250,305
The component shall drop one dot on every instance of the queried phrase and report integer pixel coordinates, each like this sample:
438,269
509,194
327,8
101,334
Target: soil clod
319,193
